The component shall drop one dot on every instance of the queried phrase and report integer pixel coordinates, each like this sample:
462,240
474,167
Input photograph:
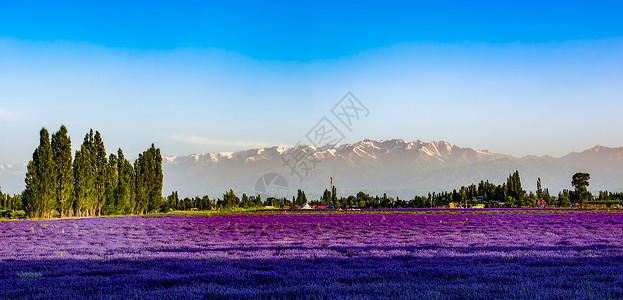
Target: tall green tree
101,171
39,195
63,173
300,197
515,191
110,205
84,182
3,200
90,174
148,174
580,183
125,184
539,189
326,197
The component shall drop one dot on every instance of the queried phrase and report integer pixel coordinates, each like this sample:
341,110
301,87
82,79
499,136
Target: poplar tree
90,174
101,164
84,182
300,197
39,195
110,205
513,184
3,200
63,173
125,185
148,174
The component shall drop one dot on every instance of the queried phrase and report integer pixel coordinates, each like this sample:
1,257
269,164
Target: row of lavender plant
442,255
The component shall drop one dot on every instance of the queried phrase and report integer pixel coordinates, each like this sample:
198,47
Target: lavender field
575,255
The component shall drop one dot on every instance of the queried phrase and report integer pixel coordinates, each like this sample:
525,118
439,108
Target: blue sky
518,78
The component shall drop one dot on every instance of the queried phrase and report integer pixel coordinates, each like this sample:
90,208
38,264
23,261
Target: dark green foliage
63,172
85,174
111,182
230,200
513,184
91,183
10,203
580,183
84,182
609,198
98,154
300,198
245,202
3,200
148,174
39,197
326,197
124,194
563,198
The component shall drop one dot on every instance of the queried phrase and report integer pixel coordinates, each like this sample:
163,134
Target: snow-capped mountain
12,177
394,166
397,167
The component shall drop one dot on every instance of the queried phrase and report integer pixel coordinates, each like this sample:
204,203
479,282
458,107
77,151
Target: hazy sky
523,78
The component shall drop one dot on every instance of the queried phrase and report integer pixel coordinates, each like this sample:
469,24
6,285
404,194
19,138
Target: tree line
508,194
89,183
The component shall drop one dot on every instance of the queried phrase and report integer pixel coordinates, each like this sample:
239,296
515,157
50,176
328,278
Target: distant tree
384,201
300,197
564,198
39,195
513,184
530,201
546,196
3,200
539,190
258,200
245,202
326,197
580,182
63,172
173,200
230,200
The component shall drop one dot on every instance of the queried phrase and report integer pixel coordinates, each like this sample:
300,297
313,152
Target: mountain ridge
395,166
418,167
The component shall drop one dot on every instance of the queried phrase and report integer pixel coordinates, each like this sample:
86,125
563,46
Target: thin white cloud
6,114
210,142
